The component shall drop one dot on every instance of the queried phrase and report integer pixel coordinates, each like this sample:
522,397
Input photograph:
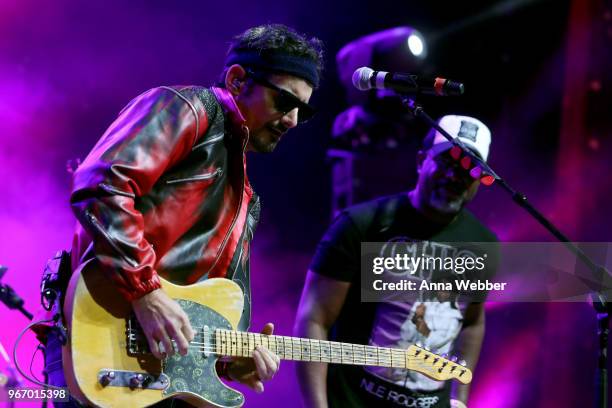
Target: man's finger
179,338
255,384
258,387
272,361
188,330
154,347
264,363
260,364
268,329
162,337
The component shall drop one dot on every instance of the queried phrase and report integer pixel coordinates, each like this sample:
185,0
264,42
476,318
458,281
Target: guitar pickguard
195,372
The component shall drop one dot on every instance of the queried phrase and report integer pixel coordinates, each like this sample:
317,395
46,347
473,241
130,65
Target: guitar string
282,339
287,352
283,348
338,356
212,345
419,364
397,361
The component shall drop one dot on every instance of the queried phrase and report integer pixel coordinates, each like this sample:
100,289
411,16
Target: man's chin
263,147
446,206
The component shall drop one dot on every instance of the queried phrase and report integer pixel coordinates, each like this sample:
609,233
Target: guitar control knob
136,380
107,378
463,363
454,359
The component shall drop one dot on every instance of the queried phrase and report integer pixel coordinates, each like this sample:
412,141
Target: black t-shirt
393,220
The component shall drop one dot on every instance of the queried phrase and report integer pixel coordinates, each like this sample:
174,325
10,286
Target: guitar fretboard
225,342
234,343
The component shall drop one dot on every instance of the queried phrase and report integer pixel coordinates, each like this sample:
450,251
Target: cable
40,347
24,375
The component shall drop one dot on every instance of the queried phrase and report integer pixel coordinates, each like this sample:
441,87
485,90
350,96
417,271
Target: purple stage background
68,67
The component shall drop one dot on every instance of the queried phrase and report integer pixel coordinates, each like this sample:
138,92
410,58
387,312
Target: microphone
365,78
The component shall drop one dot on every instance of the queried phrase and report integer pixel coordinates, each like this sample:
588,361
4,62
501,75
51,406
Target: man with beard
165,191
331,308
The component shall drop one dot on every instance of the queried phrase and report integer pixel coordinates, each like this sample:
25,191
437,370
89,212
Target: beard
446,204
263,141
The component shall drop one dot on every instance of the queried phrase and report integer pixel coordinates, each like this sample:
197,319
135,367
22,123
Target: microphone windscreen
361,78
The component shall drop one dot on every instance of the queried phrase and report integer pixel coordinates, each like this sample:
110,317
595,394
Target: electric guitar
107,362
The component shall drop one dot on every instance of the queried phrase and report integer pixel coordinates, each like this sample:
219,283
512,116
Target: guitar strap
239,270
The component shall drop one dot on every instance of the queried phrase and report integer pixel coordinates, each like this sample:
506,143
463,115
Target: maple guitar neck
241,344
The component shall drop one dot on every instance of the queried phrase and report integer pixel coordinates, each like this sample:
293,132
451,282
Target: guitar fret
287,349
359,356
244,341
297,349
333,353
325,352
384,357
238,343
272,342
400,361
305,349
222,348
291,348
226,343
343,354
315,347
247,351
234,343
370,356
251,341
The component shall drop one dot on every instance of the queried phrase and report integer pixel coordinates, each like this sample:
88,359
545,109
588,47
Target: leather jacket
165,192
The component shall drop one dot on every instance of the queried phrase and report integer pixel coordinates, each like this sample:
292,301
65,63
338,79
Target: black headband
277,61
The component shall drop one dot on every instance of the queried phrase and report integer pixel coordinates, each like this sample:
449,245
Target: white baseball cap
472,132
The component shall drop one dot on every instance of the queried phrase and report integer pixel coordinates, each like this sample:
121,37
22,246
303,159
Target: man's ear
235,79
420,158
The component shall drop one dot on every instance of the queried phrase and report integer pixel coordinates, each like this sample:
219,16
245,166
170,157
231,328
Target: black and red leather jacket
165,192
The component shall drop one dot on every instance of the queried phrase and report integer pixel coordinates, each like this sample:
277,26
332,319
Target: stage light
416,45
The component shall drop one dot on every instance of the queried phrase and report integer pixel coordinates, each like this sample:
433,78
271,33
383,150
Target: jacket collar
236,118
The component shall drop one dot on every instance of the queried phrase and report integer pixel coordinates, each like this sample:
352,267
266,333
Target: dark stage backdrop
535,71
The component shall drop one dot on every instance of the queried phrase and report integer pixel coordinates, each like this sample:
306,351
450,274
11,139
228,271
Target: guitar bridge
136,341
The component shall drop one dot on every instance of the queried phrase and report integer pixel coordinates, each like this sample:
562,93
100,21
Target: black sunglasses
285,101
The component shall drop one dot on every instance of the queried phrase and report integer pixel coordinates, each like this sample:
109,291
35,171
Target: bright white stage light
415,44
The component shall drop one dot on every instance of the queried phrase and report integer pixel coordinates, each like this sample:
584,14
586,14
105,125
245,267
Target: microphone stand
11,299
600,273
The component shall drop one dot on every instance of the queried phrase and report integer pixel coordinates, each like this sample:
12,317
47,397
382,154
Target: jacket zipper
229,231
209,141
199,177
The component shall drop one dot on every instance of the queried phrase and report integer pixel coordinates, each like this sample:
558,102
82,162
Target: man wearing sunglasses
331,307
165,191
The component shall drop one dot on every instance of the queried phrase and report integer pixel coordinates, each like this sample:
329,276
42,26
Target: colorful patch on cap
468,130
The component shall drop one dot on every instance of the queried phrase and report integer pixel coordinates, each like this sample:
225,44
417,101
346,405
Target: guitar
107,362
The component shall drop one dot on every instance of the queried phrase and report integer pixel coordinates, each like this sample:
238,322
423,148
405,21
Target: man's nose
290,119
